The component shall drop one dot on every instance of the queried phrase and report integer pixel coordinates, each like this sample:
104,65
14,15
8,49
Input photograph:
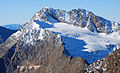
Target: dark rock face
110,64
5,33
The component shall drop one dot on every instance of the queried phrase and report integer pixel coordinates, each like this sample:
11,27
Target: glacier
81,42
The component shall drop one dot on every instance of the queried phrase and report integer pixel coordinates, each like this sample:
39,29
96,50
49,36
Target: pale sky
21,11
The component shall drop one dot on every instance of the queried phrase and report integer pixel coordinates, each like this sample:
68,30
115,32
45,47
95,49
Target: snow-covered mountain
75,28
12,26
80,33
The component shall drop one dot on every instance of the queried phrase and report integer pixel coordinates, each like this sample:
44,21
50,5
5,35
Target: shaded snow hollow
81,42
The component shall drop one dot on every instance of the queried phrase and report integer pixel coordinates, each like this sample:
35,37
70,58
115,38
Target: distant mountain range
59,41
12,26
5,33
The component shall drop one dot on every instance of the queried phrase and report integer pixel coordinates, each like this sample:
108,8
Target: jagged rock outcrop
81,18
109,64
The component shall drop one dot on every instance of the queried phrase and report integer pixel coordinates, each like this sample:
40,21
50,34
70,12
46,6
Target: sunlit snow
80,42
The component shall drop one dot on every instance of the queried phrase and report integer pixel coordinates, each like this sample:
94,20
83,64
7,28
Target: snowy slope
32,32
12,26
82,42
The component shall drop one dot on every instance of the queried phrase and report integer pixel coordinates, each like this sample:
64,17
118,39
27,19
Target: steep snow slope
12,26
32,32
82,42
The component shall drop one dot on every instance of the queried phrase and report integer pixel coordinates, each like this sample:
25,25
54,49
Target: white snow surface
21,68
31,32
28,67
81,42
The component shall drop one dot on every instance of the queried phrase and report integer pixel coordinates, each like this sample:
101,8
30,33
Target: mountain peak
77,17
47,7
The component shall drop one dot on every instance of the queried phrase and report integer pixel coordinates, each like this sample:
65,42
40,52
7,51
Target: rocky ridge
109,64
77,17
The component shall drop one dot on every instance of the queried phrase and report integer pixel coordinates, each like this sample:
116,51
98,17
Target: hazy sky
20,11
